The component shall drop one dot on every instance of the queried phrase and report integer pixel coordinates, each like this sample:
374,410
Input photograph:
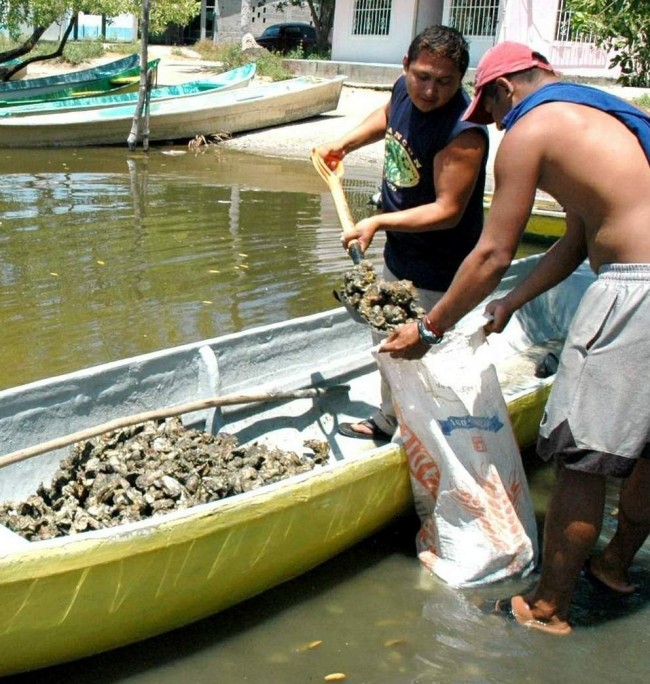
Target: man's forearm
476,278
420,219
557,264
370,130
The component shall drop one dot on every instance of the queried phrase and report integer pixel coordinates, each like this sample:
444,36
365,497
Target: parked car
287,37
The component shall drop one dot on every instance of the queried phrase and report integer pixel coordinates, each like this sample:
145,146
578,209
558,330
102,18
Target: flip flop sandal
503,608
347,430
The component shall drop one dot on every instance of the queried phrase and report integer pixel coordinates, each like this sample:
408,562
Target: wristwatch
428,336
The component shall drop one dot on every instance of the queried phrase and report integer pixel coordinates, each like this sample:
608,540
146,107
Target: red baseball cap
502,59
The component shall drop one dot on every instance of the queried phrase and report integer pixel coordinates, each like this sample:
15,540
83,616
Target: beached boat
228,80
73,596
104,77
183,118
125,82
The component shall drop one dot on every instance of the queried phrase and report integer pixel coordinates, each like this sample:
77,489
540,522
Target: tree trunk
29,45
143,97
323,18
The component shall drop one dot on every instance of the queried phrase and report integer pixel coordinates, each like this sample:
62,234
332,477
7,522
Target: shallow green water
105,256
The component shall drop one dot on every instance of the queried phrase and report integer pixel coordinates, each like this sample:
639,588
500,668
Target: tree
621,27
16,15
322,15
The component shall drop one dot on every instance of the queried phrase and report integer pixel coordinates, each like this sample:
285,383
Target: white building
379,31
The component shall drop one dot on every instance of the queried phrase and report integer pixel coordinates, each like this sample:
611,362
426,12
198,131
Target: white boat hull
179,119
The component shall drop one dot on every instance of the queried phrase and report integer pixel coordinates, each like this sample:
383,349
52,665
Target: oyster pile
385,305
145,470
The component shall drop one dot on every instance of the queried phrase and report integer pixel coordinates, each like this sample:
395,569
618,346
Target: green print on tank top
399,168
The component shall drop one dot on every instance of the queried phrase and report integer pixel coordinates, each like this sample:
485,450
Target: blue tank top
635,119
413,138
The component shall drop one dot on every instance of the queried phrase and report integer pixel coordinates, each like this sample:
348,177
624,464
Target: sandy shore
297,139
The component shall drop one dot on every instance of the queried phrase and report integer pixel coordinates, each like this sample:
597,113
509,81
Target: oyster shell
148,470
383,304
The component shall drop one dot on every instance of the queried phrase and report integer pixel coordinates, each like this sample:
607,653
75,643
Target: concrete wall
376,76
237,17
408,17
526,21
428,14
123,27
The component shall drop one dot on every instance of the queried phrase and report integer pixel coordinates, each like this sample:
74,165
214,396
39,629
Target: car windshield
271,32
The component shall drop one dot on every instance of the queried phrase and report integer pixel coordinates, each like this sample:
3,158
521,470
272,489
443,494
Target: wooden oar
333,180
157,414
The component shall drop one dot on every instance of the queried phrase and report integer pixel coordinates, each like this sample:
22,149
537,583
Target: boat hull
179,119
128,94
75,596
149,581
83,79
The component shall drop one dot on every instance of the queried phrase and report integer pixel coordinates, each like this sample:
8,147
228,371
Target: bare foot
607,578
362,428
517,609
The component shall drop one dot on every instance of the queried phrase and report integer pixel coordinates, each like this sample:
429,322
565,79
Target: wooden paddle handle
157,414
333,181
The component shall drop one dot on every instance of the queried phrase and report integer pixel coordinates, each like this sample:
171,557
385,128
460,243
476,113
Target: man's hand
363,232
332,153
405,343
500,312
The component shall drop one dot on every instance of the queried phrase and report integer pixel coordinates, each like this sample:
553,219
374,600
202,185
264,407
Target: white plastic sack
469,485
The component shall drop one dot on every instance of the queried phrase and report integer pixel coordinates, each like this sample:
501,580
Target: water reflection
105,255
106,258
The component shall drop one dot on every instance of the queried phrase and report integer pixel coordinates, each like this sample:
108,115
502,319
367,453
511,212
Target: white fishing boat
180,118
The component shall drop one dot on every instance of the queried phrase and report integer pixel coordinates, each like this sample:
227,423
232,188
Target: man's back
595,168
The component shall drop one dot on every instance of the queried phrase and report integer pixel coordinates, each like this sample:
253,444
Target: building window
371,17
564,31
474,18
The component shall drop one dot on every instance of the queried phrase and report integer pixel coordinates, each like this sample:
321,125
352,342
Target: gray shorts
597,418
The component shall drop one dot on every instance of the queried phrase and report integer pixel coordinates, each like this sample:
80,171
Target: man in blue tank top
433,180
590,151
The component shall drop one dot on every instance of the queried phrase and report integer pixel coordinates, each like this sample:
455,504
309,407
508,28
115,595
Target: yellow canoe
70,597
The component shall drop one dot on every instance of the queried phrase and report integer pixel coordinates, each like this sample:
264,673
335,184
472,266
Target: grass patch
75,51
643,101
80,51
269,64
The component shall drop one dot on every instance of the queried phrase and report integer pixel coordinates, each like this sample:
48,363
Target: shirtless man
597,420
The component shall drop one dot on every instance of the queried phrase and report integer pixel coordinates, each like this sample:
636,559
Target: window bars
371,17
564,31
473,18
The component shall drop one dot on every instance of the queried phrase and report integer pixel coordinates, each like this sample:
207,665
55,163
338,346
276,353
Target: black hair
441,41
